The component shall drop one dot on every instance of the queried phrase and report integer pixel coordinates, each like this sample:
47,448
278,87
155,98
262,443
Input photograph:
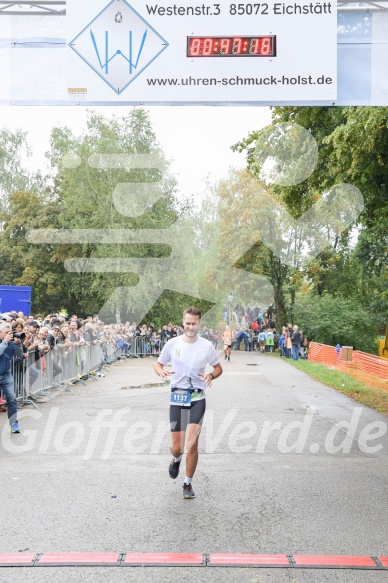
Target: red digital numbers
225,45
208,46
254,46
195,47
261,46
233,46
266,47
237,46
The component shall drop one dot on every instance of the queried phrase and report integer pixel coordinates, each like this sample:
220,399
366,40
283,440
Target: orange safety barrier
367,368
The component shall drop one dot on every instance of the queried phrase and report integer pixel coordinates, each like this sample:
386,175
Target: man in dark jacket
9,347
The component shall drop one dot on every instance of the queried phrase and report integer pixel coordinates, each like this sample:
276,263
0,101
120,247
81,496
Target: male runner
188,354
227,337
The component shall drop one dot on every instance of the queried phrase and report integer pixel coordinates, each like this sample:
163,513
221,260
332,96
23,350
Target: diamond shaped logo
118,45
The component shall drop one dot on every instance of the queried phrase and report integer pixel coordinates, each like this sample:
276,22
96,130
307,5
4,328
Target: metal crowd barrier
18,370
64,364
142,346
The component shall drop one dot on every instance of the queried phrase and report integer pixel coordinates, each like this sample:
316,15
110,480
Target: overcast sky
196,139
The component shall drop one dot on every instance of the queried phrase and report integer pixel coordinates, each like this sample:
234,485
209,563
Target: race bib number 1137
181,398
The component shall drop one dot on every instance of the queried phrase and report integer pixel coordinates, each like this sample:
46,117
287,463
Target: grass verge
369,396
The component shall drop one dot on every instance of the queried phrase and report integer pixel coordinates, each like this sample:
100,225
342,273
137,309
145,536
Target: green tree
96,188
13,176
360,157
26,264
247,215
333,320
337,132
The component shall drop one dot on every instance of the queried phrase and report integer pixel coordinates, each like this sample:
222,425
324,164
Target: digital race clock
231,46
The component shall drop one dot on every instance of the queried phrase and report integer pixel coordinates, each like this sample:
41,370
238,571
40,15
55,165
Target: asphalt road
287,466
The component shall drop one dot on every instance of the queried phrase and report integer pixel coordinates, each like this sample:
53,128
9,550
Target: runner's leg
179,417
178,443
193,432
197,413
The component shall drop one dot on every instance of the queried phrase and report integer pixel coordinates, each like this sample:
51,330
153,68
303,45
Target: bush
332,320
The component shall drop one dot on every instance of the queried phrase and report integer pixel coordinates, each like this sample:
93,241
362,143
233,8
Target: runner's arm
217,371
209,377
164,374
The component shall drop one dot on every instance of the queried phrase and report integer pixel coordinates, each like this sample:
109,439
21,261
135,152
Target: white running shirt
187,360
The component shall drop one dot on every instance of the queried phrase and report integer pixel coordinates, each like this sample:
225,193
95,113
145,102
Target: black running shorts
180,417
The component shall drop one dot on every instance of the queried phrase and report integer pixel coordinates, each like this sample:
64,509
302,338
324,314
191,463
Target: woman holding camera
9,346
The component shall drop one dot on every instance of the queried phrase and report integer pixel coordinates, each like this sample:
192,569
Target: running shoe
188,491
225,357
228,358
15,427
173,469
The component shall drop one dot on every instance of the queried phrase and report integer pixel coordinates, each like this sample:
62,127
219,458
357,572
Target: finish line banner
229,52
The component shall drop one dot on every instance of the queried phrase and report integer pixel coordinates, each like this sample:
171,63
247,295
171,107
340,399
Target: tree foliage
333,320
248,221
352,148
86,197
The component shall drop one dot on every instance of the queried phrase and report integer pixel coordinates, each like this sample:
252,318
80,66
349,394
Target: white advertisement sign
162,52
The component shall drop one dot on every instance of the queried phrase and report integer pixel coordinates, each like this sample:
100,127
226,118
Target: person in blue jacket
282,341
8,347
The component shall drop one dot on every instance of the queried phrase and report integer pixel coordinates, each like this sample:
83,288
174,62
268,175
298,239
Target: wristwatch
212,375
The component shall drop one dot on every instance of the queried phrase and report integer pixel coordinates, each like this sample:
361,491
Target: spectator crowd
252,326
48,339
46,342
256,329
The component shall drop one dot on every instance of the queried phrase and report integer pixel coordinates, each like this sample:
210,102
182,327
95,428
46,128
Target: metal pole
35,5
